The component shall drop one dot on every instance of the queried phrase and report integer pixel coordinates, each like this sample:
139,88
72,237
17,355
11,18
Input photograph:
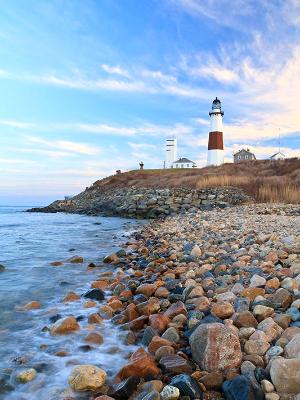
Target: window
246,157
176,165
182,165
238,157
188,165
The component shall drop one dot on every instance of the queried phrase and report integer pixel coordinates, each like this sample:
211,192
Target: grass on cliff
266,181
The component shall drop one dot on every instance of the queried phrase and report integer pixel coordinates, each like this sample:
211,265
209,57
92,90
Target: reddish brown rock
102,284
163,351
65,326
215,348
149,307
273,283
282,298
175,364
111,259
201,303
156,343
244,319
175,309
56,263
159,322
32,305
95,318
131,312
256,347
147,289
212,380
222,309
71,296
90,304
137,324
140,364
162,292
94,337
252,292
270,328
115,304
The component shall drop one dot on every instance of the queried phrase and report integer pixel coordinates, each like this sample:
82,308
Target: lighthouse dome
216,103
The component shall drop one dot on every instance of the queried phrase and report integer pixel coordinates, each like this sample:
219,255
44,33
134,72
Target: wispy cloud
115,70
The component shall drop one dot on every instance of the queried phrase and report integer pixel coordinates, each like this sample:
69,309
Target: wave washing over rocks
211,302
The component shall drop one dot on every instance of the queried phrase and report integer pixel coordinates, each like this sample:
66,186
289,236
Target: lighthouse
171,152
215,154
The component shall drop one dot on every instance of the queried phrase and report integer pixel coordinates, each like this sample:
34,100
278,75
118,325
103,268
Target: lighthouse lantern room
215,142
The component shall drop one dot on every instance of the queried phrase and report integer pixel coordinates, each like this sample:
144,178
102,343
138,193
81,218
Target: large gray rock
285,375
215,348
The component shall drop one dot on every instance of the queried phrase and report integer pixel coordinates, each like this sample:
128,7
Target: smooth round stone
27,375
273,352
169,393
267,386
172,335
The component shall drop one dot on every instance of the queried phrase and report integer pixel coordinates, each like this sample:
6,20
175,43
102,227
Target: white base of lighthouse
215,157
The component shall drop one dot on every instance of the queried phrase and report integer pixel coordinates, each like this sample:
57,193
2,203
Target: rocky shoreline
146,203
211,300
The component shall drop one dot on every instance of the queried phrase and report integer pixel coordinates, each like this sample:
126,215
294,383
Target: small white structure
171,152
277,156
184,163
215,154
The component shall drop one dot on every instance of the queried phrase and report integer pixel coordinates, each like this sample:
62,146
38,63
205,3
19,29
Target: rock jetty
146,203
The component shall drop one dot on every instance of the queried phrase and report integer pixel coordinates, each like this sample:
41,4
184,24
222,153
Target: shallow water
28,243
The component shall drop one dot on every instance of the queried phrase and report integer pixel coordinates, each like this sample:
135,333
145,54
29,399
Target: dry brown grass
266,181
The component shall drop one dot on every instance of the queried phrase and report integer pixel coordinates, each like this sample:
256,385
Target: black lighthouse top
216,107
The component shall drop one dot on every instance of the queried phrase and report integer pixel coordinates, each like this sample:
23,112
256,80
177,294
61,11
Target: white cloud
115,70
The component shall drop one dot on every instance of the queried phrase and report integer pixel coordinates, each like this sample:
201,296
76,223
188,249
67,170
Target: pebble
27,375
169,393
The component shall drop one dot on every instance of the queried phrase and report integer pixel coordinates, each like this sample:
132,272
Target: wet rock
33,305
94,294
126,388
75,260
71,296
141,364
175,364
2,268
110,259
94,337
27,375
188,386
159,322
95,318
169,393
252,292
87,377
285,375
65,326
215,348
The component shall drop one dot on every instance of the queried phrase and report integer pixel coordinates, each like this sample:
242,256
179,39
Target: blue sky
88,87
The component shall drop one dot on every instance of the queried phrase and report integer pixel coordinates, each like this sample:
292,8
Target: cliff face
146,203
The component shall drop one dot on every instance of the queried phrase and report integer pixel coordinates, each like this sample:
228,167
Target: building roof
278,154
183,160
216,101
243,150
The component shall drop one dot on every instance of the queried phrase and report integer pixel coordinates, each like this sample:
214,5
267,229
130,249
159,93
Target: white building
171,152
277,156
215,154
184,163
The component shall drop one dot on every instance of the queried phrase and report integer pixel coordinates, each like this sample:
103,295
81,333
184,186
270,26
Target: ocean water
28,243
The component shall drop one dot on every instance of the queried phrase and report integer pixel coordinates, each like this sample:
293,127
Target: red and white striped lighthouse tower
215,155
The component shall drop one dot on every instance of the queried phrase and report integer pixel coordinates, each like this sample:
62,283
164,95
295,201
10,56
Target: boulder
215,347
270,328
239,388
244,319
285,375
65,326
87,377
75,260
175,309
222,309
292,349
